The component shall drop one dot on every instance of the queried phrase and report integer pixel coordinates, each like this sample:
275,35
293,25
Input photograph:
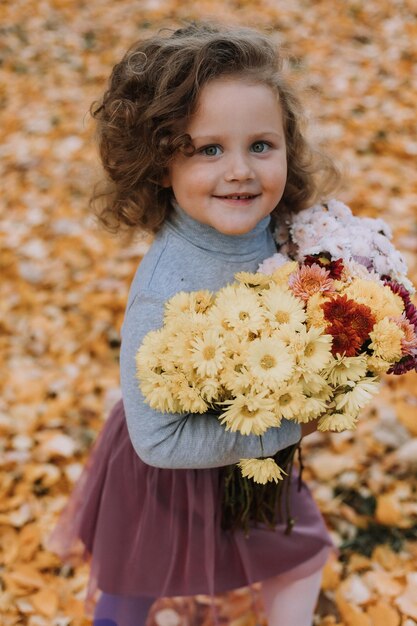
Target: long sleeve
181,440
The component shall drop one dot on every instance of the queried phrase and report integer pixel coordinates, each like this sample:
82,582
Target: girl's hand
310,427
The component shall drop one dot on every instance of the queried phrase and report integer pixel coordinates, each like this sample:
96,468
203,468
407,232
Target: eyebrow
215,138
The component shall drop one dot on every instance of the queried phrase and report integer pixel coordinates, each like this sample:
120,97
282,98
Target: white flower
261,470
337,422
358,396
343,369
272,263
269,361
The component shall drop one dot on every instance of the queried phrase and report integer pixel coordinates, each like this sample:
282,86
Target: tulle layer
154,532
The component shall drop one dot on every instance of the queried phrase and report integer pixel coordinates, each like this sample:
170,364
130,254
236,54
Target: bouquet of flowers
302,339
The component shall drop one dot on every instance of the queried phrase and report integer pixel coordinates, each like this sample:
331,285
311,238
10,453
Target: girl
200,135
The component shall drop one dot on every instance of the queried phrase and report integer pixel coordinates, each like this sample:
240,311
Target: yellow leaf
383,613
45,602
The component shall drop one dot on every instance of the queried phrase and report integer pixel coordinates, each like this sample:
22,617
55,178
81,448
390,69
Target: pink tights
291,602
287,602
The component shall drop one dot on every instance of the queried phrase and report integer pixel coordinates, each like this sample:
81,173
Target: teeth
239,197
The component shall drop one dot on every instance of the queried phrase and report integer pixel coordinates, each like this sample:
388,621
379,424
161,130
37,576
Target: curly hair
153,91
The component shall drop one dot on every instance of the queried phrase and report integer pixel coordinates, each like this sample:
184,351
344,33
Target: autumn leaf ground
64,284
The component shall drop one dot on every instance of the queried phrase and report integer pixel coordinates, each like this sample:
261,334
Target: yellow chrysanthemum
337,422
253,280
289,400
379,298
261,471
249,414
316,350
235,375
315,314
313,408
386,340
158,393
269,361
190,399
282,307
187,302
210,389
357,396
151,353
207,353
343,369
377,366
282,274
237,308
314,384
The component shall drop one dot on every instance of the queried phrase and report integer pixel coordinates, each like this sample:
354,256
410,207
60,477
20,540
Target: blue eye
210,150
259,147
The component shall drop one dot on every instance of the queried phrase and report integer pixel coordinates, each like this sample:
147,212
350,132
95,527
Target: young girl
200,135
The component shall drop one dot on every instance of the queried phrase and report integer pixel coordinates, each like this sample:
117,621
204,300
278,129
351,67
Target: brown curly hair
154,90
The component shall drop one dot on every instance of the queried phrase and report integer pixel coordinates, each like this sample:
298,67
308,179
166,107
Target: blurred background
64,282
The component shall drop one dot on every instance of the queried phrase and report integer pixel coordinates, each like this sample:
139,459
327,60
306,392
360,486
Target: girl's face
237,174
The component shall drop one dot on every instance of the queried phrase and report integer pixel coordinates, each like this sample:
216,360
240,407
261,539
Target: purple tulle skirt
154,532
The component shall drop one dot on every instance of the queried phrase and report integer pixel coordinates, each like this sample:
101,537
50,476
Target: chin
233,229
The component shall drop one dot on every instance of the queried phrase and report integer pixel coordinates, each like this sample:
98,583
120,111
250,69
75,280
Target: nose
238,167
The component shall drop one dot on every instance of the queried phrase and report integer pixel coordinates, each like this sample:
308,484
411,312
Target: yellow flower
337,422
157,391
289,401
190,398
207,353
282,274
386,340
282,307
313,383
357,396
253,280
150,355
315,314
316,350
235,375
209,389
187,302
380,299
313,407
249,414
237,308
376,365
269,361
346,368
261,470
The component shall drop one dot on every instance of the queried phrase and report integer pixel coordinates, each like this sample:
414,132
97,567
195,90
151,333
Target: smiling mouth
238,196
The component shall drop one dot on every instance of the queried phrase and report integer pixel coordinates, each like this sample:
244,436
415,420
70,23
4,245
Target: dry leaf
407,601
45,602
384,614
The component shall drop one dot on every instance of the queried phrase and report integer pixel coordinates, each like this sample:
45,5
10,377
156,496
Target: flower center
309,349
282,317
285,399
246,412
267,362
243,315
209,353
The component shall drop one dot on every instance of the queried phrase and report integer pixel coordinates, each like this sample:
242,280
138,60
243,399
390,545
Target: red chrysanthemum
345,339
358,317
335,268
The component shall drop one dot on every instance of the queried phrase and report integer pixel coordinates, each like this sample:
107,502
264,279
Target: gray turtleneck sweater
187,256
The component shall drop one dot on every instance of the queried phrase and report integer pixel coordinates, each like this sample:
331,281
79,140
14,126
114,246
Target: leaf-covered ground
64,284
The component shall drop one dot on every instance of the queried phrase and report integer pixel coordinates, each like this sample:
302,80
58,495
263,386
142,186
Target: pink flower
309,280
409,341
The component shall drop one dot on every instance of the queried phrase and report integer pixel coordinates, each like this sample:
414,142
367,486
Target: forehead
224,102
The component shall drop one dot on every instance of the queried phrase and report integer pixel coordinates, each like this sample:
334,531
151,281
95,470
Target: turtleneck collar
208,238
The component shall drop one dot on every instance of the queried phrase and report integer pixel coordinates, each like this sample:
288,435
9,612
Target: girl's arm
181,440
